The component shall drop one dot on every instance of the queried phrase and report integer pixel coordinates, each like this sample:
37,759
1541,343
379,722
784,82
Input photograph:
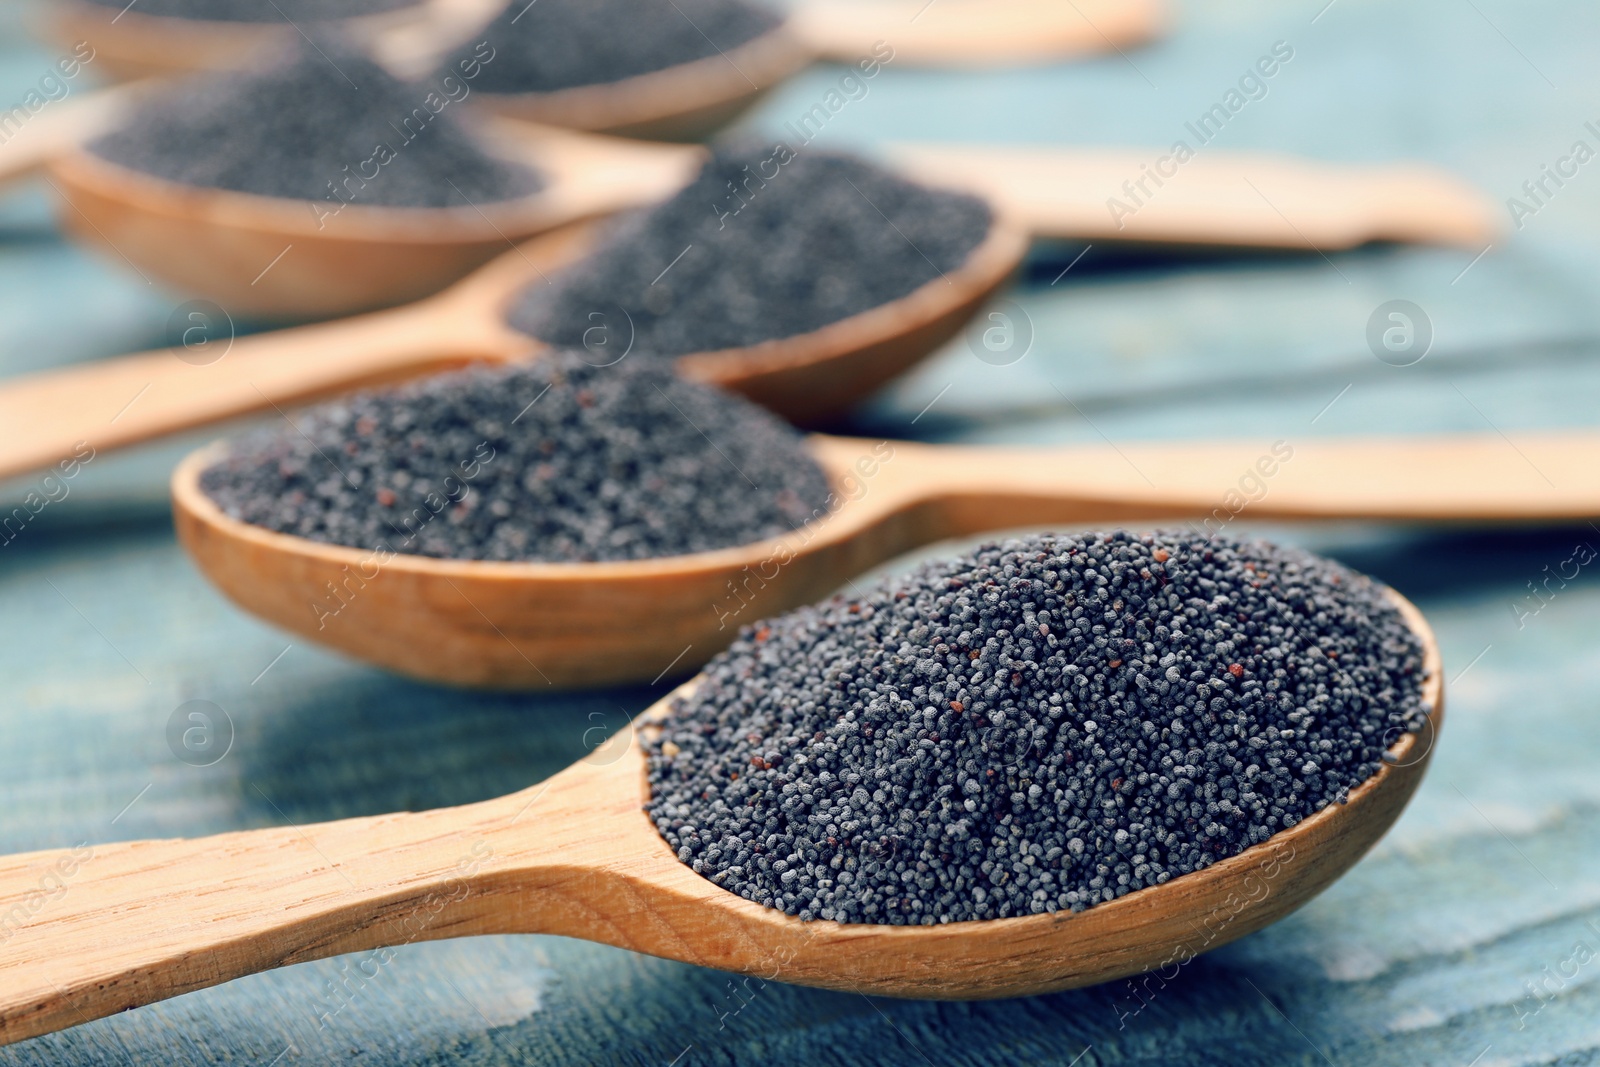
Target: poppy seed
561,44
1056,784
765,243
551,460
323,124
260,10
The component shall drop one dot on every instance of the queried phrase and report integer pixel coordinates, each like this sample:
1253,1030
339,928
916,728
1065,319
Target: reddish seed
1160,555
956,705
1235,669
1116,663
763,633
386,497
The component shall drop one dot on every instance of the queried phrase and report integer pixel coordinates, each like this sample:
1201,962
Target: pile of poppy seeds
765,243
324,124
1045,724
561,44
554,460
259,10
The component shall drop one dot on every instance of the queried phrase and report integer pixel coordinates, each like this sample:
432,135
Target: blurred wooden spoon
274,259
111,927
277,259
123,401
414,39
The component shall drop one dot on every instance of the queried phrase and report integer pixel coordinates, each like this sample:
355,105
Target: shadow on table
374,743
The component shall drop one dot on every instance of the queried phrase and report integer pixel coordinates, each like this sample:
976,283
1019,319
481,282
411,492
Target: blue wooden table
1470,936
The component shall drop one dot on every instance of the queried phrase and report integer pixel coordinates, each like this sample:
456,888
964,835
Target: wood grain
124,401
1217,198
977,33
105,928
534,625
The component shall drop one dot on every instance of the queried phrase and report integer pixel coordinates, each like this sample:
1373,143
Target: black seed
310,119
765,243
508,463
1064,787
558,44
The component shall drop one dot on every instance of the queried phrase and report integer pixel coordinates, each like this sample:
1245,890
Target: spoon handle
96,929
54,416
973,33
1214,198
1547,476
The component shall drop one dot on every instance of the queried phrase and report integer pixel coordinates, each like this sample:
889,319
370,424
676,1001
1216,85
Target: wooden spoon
977,33
96,930
119,402
529,625
270,258
686,102
959,33
129,44
273,258
691,100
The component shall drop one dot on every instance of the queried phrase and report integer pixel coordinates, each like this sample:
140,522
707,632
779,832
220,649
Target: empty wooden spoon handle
1548,476
972,33
55,415
96,929
58,127
1213,198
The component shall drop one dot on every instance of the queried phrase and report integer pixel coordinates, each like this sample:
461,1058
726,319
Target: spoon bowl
578,856
132,44
528,625
412,40
270,258
686,102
